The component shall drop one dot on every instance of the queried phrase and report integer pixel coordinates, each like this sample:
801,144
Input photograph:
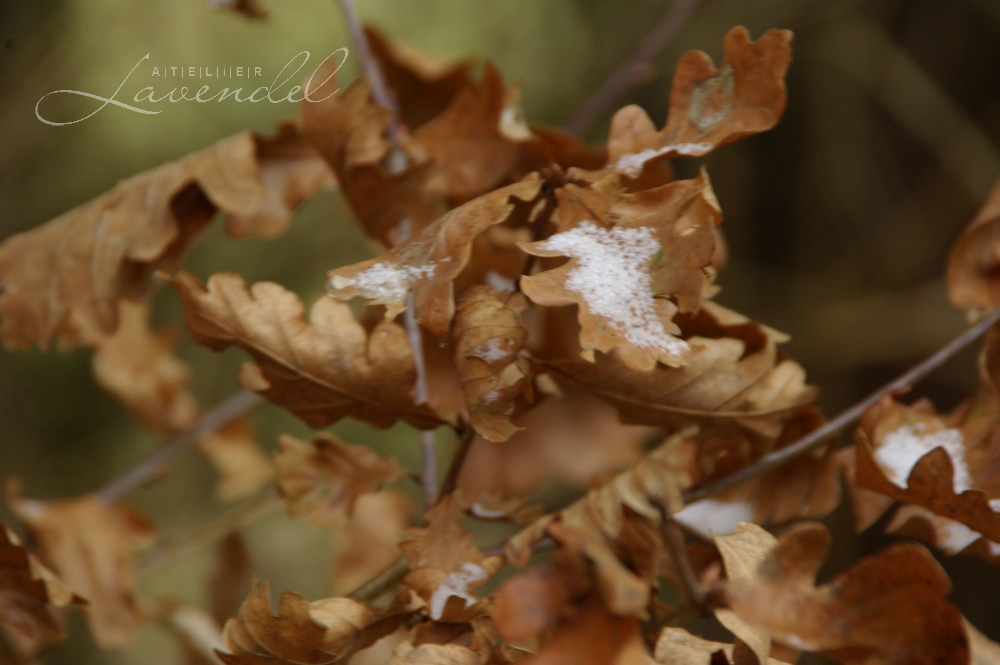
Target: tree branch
817,437
152,464
634,70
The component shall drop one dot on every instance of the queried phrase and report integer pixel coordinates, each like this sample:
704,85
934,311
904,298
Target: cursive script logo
147,96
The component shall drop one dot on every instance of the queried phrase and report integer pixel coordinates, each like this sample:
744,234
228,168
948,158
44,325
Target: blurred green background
838,221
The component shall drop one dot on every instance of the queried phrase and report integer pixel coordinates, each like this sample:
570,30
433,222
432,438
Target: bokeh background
838,221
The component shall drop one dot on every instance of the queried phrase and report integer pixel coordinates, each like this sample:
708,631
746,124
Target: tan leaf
446,565
66,277
629,254
29,591
369,542
308,633
90,545
676,646
324,477
427,263
236,454
742,553
709,107
487,337
434,654
973,260
984,650
321,370
889,608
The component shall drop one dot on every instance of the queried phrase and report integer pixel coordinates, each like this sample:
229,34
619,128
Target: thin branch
457,460
152,464
635,69
673,538
264,505
385,580
819,436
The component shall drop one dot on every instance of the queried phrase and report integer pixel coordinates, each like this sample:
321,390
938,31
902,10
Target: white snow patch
498,282
491,350
384,281
632,163
905,446
612,277
487,514
456,584
995,505
491,396
710,517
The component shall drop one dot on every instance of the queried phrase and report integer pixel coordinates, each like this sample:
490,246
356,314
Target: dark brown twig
457,460
633,71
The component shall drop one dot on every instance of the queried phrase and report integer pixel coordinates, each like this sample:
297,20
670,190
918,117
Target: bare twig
152,464
267,503
634,70
385,580
819,436
457,460
673,538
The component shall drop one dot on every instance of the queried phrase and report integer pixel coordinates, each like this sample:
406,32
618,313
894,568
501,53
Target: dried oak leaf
889,608
709,107
29,591
139,368
320,370
236,454
676,646
487,338
974,259
90,544
434,654
445,564
369,543
461,153
742,553
634,260
909,454
306,633
947,535
322,478
426,264
65,277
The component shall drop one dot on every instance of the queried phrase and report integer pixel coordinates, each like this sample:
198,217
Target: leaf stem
149,466
635,69
817,437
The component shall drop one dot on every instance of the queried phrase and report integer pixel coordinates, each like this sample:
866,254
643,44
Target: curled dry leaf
90,545
307,633
974,259
947,535
890,608
446,565
236,454
323,478
65,277
487,337
320,370
676,646
633,260
369,543
709,107
427,263
29,591
139,368
742,553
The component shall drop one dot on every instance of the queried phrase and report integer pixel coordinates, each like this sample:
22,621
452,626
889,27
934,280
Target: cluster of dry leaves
562,300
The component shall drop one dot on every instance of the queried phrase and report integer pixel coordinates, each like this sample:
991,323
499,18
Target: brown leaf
889,608
742,553
29,591
709,107
427,263
139,368
947,535
321,370
324,477
228,582
236,454
369,542
65,277
445,564
434,654
308,633
629,255
974,259
676,646
487,337
90,545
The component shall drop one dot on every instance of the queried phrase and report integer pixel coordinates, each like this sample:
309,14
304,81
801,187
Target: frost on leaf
709,107
65,278
321,370
90,545
427,263
634,260
324,477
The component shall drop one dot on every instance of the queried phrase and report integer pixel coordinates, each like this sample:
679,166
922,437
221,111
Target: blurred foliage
838,221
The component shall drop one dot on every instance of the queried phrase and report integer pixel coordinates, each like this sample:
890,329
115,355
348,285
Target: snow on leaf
902,448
